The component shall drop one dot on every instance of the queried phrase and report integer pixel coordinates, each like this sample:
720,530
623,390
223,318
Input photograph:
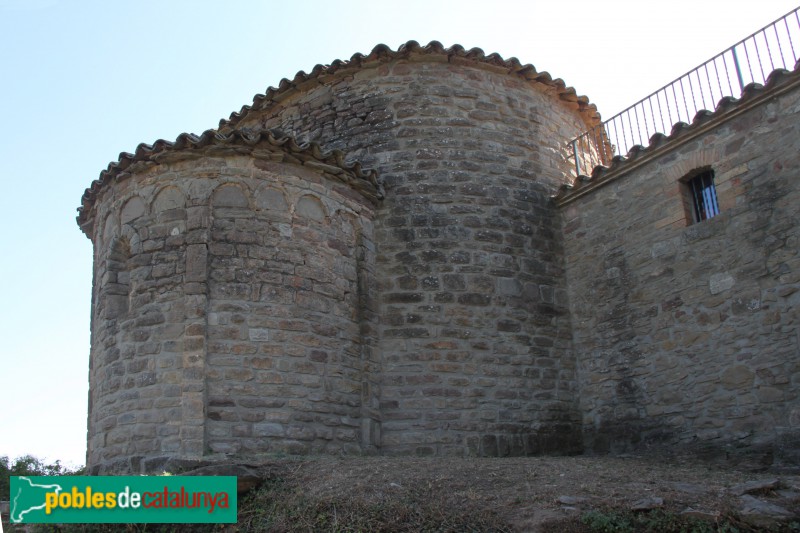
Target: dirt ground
527,493
547,494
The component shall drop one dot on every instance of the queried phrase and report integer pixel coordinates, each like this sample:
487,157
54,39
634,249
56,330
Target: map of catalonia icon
29,499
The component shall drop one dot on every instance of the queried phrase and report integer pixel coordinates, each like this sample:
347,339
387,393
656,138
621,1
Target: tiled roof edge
383,54
601,173
364,181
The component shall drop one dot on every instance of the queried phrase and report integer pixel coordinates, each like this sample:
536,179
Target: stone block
196,263
269,429
736,377
258,334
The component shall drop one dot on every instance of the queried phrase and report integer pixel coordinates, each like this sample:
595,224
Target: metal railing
751,60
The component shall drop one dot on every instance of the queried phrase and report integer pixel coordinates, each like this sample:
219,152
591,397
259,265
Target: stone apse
391,255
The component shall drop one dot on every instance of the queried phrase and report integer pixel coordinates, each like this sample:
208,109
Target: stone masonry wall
225,313
687,333
146,365
253,296
474,337
287,267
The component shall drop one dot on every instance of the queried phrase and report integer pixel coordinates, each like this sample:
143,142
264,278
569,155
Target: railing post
738,70
577,161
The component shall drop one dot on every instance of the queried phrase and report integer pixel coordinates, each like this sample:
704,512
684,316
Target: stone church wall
143,347
254,296
474,335
687,333
287,261
225,313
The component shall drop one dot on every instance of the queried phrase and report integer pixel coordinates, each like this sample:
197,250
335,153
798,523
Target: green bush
28,465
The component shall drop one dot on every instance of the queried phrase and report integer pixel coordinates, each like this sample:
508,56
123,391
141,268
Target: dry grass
454,494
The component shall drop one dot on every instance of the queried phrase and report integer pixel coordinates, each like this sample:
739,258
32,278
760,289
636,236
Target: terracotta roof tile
382,54
212,142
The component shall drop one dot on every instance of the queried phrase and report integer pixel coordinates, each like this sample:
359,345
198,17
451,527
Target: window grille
703,196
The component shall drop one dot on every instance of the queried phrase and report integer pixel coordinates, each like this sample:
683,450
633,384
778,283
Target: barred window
702,195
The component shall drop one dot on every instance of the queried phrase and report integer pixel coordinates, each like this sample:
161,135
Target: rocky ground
510,494
536,493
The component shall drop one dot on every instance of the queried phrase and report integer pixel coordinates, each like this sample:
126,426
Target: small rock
571,500
760,513
4,508
754,487
647,504
246,478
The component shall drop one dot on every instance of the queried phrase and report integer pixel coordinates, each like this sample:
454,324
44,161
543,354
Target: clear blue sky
82,81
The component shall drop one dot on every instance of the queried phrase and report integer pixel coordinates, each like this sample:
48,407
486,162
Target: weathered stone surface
454,248
253,299
647,504
718,283
760,513
680,332
755,487
228,317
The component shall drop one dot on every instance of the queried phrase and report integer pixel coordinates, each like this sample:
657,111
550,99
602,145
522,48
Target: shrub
28,465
